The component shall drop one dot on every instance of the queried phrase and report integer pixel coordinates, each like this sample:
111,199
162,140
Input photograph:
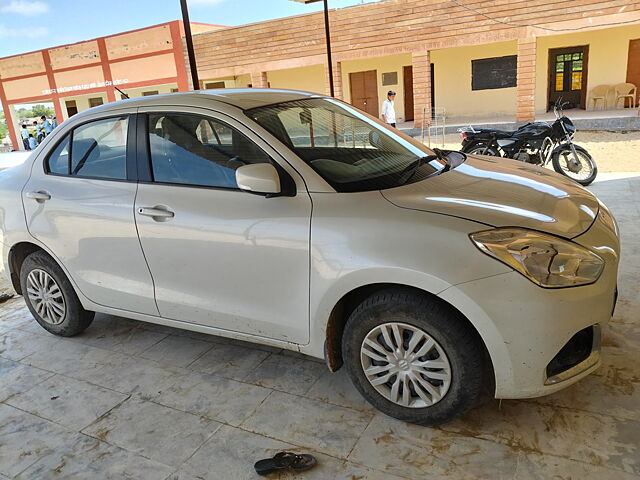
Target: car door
219,256
79,203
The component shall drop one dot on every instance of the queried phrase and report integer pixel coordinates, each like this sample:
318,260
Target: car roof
243,98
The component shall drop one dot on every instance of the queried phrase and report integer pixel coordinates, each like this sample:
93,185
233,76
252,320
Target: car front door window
198,151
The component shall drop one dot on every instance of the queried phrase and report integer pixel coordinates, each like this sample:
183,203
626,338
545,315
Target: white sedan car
294,220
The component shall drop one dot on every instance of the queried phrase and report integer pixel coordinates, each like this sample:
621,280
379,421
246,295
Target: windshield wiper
411,170
448,156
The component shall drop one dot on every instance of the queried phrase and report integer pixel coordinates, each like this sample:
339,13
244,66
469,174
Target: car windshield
351,150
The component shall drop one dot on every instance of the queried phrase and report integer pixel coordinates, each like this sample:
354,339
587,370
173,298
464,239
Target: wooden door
72,108
364,91
407,76
568,75
633,66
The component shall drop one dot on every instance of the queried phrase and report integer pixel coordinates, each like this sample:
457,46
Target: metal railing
435,123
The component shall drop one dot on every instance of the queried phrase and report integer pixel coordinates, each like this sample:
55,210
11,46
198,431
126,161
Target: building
483,58
510,58
82,75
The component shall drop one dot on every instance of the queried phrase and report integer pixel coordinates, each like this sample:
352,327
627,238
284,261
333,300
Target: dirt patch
6,289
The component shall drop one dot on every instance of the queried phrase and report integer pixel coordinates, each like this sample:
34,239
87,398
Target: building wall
385,28
137,92
310,79
239,81
425,29
147,58
382,65
608,55
82,102
452,81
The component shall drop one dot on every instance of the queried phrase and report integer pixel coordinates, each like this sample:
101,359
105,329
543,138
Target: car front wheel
51,298
414,357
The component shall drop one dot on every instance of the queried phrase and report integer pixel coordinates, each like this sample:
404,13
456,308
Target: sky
27,25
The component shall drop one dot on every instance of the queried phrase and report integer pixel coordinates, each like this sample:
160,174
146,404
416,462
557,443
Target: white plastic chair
599,93
625,91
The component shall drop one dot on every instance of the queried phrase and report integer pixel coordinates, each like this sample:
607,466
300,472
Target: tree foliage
40,110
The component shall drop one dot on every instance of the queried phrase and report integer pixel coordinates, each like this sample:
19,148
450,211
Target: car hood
502,192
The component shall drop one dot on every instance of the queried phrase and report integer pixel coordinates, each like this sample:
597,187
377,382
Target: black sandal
285,461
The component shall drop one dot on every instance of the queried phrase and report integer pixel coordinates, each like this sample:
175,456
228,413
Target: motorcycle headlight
546,260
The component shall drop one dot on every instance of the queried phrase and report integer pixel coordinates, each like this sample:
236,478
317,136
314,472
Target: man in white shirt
388,110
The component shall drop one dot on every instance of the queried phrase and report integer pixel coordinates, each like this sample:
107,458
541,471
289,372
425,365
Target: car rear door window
200,151
58,162
99,149
94,150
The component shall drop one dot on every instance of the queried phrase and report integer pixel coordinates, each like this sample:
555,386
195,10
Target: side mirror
261,178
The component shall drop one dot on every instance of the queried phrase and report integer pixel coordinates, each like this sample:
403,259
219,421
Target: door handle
160,213
39,196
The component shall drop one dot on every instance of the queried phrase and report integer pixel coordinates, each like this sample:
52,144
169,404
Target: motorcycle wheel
482,149
584,173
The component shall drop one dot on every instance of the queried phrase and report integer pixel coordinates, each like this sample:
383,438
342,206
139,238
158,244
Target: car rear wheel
51,298
415,358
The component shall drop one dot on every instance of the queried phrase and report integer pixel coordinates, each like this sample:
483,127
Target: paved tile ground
133,400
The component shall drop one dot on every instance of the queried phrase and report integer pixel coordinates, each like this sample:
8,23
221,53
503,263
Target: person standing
46,125
388,109
24,133
39,135
54,122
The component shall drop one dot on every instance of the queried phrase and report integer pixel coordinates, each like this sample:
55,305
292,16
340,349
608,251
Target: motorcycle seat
496,132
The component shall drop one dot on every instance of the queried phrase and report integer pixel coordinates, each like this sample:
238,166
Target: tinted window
195,150
99,149
59,159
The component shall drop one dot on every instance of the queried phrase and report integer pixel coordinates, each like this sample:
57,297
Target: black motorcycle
536,143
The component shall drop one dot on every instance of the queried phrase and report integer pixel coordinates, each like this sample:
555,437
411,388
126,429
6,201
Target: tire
457,345
481,149
61,313
560,165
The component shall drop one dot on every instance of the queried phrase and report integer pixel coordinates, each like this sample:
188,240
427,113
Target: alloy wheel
46,297
405,365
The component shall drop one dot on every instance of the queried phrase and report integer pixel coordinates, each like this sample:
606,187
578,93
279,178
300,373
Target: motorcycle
537,143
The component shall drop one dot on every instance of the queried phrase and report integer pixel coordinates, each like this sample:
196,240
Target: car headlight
546,260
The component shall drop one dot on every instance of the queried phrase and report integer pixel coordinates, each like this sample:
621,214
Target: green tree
23,113
4,131
40,110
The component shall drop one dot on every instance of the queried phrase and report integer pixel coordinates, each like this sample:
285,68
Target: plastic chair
599,93
624,91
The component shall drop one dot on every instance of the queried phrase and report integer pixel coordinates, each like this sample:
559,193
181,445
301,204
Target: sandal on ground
283,461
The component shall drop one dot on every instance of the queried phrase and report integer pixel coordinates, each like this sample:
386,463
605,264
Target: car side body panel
13,227
366,240
89,227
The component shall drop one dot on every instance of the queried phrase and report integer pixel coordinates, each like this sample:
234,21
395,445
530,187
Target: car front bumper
542,340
